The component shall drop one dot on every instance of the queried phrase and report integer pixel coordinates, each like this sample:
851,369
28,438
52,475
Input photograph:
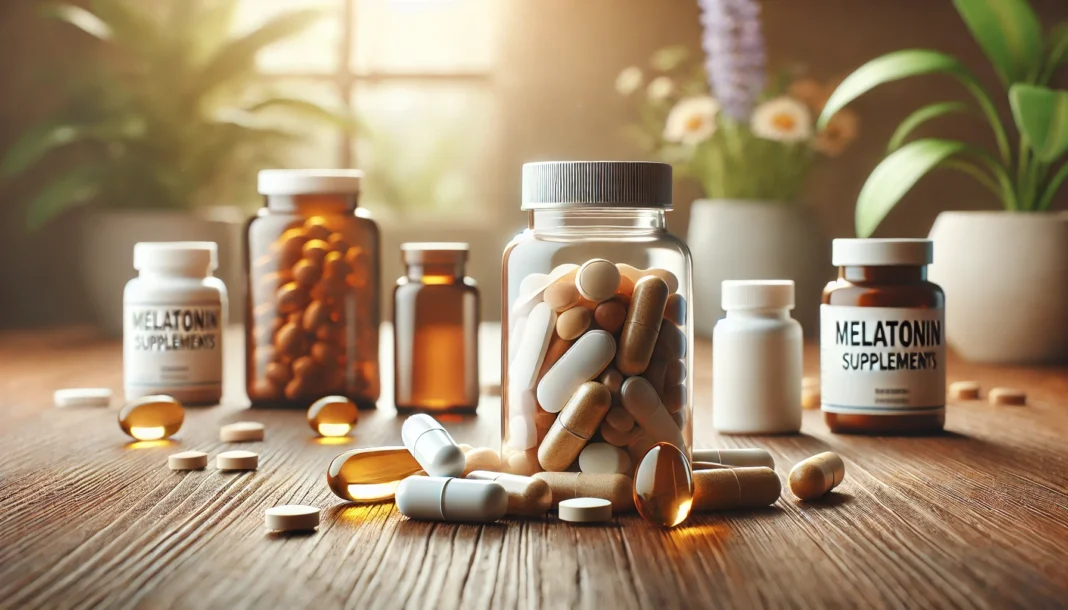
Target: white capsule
432,446
522,432
746,458
642,402
533,343
602,458
449,499
584,361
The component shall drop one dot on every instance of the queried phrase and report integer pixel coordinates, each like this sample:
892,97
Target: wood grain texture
975,518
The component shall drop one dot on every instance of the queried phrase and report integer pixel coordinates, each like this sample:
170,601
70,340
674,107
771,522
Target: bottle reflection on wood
435,324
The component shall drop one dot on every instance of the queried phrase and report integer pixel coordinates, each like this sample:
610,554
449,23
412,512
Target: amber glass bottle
882,340
435,324
313,271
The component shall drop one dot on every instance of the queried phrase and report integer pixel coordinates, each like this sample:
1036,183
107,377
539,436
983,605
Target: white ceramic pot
1005,275
758,240
108,238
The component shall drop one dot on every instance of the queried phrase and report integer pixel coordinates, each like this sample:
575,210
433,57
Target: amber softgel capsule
663,486
370,474
333,416
152,417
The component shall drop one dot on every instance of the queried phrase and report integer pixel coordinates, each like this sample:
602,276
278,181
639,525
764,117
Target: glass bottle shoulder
875,294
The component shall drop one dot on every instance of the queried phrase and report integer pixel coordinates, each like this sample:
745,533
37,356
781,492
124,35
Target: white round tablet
584,510
82,397
187,460
241,432
237,460
292,518
603,458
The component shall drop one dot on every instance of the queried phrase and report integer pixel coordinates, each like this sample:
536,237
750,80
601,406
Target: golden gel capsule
817,475
730,488
152,417
333,416
371,474
663,486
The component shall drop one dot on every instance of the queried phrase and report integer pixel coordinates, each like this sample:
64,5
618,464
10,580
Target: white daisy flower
659,89
782,119
692,120
629,80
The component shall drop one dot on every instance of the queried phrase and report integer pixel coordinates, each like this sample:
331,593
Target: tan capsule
626,287
370,474
333,416
290,340
597,280
749,457
669,278
151,418
674,373
527,496
817,475
264,389
675,310
670,343
306,273
325,353
335,267
656,374
291,298
642,326
707,466
524,462
620,419
731,488
481,458
279,374
615,436
675,398
291,246
576,424
616,488
610,315
573,322
964,390
663,486
1007,396
561,295
613,380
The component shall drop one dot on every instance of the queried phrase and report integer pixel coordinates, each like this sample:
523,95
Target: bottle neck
584,221
883,274
435,273
766,314
342,203
174,274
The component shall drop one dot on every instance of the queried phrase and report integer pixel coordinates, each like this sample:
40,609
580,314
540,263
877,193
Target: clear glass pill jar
595,290
882,340
313,305
174,313
435,331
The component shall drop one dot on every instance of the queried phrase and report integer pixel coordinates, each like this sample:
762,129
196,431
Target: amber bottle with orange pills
435,324
313,296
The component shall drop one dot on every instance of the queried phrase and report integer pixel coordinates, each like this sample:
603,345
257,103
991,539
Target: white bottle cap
879,252
176,256
290,182
757,294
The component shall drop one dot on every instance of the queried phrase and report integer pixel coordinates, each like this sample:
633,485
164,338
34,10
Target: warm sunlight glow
334,429
148,434
334,440
377,492
682,513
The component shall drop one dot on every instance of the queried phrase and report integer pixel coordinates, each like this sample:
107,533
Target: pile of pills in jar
304,288
597,355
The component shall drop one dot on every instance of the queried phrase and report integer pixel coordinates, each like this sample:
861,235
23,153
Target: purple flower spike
734,43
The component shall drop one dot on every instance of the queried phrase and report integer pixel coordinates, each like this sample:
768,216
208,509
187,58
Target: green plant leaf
79,18
1041,115
238,57
70,189
1009,33
921,116
913,62
308,109
35,144
1056,52
895,176
1054,185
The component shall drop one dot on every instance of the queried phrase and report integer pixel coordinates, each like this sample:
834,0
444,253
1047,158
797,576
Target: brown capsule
675,398
663,486
325,353
298,388
316,228
613,380
306,273
316,251
290,340
482,458
307,368
730,488
291,298
291,245
332,333
576,424
620,419
669,278
315,315
655,374
616,488
642,326
263,389
639,444
279,374
615,436
817,475
675,373
670,344
561,295
338,242
543,422
527,496
335,268
675,310
573,322
610,315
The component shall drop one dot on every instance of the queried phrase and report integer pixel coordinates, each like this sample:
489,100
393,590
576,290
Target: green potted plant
166,123
1005,273
750,144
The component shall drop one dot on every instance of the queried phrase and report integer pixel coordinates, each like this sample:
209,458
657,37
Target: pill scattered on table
333,416
964,390
292,518
663,486
152,417
237,460
82,397
450,499
817,475
187,460
585,510
241,432
1007,396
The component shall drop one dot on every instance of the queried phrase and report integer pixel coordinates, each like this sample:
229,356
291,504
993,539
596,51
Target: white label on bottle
172,346
882,360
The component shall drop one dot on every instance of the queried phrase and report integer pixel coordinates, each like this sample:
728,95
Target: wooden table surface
977,517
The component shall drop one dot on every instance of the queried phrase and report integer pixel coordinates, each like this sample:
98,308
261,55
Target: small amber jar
313,297
882,341
435,330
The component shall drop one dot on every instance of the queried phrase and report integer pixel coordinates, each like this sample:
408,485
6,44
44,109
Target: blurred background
450,98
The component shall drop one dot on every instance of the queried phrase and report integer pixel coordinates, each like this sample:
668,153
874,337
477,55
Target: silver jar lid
550,185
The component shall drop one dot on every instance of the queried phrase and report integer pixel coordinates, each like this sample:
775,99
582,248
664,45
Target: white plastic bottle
174,314
756,360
